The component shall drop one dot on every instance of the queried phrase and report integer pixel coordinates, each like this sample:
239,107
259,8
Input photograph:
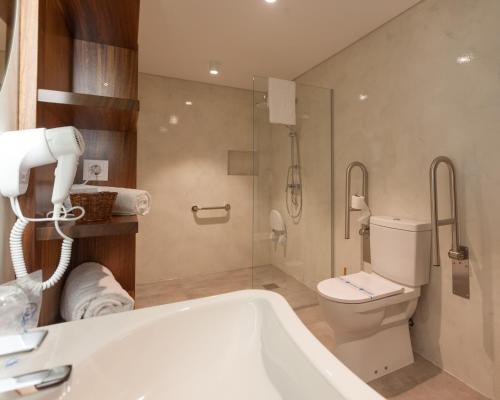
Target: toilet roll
359,203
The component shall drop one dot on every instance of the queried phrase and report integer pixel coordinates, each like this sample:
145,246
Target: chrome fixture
293,189
364,192
32,382
226,207
458,254
21,343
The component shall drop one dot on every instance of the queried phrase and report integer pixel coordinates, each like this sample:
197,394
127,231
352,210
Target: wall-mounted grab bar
364,192
226,207
459,254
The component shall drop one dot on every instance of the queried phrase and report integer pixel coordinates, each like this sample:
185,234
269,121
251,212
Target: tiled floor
297,294
420,381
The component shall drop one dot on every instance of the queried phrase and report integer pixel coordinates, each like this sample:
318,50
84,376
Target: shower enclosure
292,205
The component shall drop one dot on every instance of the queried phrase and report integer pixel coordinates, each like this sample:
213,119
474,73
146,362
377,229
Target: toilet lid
358,288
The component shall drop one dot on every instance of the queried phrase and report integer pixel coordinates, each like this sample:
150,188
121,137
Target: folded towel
281,101
128,201
90,291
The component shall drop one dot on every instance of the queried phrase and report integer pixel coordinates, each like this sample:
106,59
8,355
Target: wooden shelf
86,111
113,22
118,225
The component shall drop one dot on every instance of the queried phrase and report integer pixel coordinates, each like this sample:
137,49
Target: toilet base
380,354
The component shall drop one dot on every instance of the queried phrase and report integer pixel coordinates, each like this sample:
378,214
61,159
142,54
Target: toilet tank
401,250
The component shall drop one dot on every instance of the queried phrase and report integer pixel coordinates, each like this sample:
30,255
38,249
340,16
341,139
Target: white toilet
369,312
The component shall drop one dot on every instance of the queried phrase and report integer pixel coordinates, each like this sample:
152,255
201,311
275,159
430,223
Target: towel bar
226,207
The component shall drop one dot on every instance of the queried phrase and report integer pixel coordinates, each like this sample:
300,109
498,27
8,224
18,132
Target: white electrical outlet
95,170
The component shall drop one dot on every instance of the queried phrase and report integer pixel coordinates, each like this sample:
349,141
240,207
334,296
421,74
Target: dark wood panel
55,52
115,252
47,256
118,225
82,117
113,22
7,11
104,70
119,148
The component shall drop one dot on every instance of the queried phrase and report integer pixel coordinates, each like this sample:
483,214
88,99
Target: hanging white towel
281,101
91,290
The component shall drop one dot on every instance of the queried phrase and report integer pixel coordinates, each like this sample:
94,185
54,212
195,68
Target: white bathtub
240,345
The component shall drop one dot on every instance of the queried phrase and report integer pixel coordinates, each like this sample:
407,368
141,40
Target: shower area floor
263,277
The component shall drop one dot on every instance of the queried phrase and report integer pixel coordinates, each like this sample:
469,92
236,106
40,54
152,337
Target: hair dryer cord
16,244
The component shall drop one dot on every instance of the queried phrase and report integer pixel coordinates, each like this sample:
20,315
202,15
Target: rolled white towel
128,201
91,290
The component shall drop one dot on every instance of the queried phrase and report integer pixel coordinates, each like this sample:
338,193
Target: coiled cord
16,242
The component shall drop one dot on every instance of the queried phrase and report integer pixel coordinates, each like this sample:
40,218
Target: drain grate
270,286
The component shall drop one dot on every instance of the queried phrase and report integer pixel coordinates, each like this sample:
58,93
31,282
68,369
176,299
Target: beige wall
2,65
421,103
185,164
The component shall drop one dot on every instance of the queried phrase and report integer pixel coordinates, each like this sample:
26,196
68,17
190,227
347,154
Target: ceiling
178,38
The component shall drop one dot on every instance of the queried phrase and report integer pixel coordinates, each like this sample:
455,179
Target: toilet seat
360,287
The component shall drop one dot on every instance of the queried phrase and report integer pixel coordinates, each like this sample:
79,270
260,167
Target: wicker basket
98,206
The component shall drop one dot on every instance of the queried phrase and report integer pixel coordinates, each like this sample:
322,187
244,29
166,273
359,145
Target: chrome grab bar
364,193
457,252
226,207
33,382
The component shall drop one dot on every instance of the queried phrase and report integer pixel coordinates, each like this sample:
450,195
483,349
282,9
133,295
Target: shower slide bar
226,207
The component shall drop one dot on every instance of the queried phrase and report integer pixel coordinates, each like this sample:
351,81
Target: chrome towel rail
226,207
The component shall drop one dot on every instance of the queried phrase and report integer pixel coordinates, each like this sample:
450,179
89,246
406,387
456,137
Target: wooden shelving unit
118,225
87,100
86,75
86,111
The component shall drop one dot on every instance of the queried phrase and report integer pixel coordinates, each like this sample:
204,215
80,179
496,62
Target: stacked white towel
91,290
128,201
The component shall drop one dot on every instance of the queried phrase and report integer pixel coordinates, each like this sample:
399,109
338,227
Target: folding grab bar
458,254
364,192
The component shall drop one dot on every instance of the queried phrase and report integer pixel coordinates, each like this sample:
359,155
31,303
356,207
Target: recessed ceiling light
465,58
363,96
270,1
189,103
214,68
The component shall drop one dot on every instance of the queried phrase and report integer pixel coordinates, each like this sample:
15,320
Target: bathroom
248,154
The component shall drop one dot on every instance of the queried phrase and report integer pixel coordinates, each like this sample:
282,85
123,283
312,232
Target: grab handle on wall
458,254
364,192
226,207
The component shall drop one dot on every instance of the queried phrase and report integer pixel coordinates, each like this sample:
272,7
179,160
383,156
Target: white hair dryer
19,152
